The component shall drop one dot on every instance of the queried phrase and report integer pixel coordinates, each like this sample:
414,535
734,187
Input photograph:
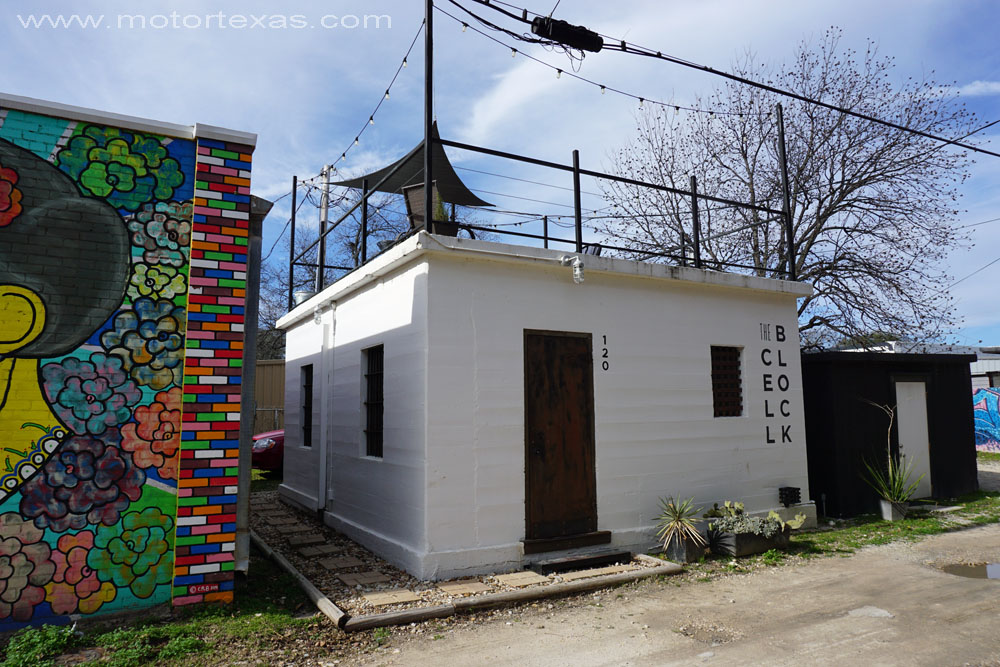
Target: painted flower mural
150,342
75,585
157,282
154,438
136,553
126,169
10,196
90,396
90,480
164,231
25,567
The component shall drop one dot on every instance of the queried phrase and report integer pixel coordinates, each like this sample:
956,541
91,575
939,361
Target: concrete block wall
121,315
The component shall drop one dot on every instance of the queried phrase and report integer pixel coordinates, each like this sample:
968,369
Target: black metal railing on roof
679,253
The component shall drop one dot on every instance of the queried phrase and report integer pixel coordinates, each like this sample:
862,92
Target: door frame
593,421
914,376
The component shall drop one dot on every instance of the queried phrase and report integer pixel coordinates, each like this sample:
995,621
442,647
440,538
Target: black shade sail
450,188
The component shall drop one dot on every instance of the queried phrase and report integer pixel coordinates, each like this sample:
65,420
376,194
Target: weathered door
561,482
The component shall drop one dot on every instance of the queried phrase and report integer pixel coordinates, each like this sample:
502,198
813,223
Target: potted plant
676,528
732,532
892,484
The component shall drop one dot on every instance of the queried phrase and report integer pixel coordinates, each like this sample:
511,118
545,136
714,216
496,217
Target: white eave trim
423,243
146,125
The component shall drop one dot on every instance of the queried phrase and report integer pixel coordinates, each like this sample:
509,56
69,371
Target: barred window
727,381
373,361
307,404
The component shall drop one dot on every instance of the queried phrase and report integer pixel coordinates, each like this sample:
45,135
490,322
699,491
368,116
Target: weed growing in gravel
381,635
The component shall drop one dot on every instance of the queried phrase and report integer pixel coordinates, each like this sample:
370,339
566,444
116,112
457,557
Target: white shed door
914,441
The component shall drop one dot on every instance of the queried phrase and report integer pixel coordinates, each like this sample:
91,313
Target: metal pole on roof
545,230
697,223
577,210
291,247
428,113
786,205
364,223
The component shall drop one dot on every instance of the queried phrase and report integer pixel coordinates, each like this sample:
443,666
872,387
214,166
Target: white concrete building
468,401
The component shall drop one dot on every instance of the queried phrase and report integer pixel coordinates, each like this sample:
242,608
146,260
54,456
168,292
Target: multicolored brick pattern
206,503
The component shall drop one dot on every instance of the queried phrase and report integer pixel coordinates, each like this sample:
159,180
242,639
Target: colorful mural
986,412
96,227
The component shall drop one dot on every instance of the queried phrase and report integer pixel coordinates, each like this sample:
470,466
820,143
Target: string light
371,116
513,53
604,88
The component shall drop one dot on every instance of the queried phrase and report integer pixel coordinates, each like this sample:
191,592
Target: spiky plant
676,523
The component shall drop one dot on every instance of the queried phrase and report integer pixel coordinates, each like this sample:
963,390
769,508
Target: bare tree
343,251
872,207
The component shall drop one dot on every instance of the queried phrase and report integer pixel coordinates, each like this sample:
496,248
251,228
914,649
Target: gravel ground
268,519
708,612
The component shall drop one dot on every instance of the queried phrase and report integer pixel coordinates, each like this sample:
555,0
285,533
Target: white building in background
458,406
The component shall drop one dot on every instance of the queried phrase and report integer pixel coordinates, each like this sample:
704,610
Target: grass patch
37,647
256,628
264,480
847,536
988,456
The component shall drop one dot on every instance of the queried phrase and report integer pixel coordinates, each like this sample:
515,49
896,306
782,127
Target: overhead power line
604,88
614,44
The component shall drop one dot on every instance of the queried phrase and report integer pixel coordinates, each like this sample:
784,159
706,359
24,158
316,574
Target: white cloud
980,88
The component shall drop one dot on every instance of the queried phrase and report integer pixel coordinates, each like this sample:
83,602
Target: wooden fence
270,396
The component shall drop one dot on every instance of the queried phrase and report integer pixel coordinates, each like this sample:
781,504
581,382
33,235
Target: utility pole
324,216
428,114
291,247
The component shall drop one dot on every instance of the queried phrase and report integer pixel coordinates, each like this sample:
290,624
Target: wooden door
561,481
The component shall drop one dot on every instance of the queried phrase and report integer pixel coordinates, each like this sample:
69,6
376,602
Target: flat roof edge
423,243
71,112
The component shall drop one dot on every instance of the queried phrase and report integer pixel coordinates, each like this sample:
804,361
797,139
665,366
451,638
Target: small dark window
994,379
727,383
373,358
307,405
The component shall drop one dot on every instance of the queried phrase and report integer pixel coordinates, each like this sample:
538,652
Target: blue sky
308,91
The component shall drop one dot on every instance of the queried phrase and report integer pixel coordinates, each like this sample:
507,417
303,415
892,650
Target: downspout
259,209
324,414
330,345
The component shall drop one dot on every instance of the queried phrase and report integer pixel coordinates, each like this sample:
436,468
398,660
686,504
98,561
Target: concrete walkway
885,605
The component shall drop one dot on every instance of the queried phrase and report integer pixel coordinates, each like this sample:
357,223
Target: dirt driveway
884,605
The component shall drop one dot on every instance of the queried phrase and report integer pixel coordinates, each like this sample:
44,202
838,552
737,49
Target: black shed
930,397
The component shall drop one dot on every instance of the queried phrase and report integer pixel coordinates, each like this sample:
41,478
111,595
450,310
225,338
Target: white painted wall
379,502
655,430
448,497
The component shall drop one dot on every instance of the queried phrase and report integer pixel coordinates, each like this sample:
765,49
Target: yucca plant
893,483
675,524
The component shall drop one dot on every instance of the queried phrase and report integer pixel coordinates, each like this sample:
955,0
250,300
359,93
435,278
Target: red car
269,450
